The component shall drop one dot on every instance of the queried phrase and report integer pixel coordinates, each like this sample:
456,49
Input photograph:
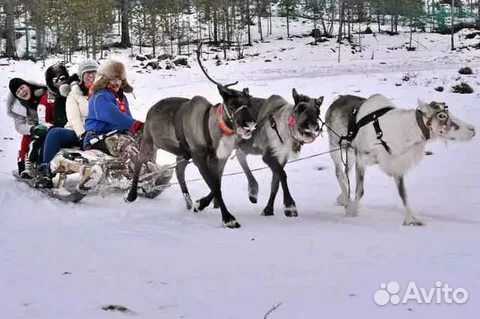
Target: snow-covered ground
159,260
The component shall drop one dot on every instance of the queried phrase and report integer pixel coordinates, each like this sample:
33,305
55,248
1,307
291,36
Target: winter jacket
23,117
76,109
104,114
46,109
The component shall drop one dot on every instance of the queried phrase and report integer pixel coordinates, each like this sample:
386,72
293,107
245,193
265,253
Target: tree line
171,26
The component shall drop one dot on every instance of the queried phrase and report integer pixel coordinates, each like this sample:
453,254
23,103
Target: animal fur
402,134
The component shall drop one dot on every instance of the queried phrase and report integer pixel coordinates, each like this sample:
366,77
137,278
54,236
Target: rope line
265,167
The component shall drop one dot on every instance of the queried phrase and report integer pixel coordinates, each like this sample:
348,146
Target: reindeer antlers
199,47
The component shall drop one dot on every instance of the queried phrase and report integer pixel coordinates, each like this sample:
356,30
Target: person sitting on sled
55,76
22,106
108,111
110,128
76,112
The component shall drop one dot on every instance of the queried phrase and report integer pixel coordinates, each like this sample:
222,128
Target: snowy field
159,260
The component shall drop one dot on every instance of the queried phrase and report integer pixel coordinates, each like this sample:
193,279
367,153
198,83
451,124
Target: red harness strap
221,123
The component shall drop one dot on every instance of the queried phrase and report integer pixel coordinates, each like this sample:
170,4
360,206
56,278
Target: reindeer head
443,124
304,119
236,104
237,110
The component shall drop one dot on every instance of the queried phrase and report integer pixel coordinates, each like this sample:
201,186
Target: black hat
55,71
14,84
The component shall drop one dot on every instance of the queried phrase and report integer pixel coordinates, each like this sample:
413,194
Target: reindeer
195,129
282,129
378,133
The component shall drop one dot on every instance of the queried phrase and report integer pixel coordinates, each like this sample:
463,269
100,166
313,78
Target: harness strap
206,129
221,122
379,133
421,124
180,134
354,126
273,125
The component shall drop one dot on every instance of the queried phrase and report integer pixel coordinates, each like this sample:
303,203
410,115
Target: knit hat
111,69
86,66
55,71
14,84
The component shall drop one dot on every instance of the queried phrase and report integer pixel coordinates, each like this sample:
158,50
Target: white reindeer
398,145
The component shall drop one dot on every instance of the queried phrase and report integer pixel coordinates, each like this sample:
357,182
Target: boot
28,171
44,177
21,166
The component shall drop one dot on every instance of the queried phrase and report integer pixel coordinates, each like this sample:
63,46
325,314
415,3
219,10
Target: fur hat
111,69
55,71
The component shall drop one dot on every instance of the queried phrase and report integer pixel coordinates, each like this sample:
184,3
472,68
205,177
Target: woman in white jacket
76,110
22,107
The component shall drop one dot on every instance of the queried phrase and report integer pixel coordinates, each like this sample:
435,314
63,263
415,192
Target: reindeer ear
246,91
295,96
424,107
319,101
421,103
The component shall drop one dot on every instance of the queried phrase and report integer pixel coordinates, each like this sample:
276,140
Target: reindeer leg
342,199
409,218
221,167
203,202
352,207
252,182
288,202
268,210
180,172
209,168
145,154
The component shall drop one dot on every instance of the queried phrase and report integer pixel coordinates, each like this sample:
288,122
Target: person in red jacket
49,110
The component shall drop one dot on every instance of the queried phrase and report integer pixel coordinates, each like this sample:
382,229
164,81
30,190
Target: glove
38,131
136,127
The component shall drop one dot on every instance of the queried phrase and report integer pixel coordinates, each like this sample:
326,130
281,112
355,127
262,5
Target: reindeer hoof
291,211
413,221
201,204
252,198
341,200
196,207
267,211
351,209
129,198
231,224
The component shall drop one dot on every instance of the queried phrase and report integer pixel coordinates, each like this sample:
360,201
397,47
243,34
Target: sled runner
63,194
80,173
101,173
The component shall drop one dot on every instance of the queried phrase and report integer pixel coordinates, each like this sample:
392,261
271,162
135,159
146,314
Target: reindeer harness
354,126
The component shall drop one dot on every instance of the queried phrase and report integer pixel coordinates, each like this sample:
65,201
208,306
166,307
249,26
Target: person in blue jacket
108,109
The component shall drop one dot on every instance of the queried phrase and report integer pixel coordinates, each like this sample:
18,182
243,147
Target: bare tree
10,45
124,13
341,18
